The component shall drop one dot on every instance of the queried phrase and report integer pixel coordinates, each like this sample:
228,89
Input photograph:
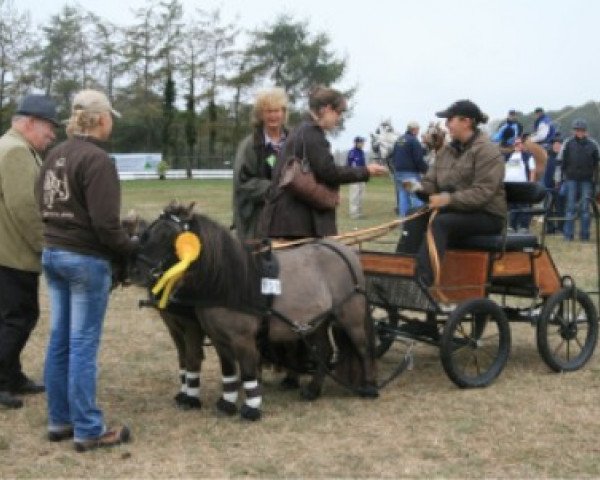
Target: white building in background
130,163
139,166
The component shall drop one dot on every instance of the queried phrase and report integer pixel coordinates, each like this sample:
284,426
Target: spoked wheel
475,343
567,330
385,321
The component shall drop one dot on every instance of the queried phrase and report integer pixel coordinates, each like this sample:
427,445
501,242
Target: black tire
384,331
567,330
475,343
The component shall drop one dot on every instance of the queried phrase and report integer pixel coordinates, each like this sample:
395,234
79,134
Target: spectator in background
544,129
555,202
255,159
31,132
579,156
356,158
508,132
520,167
409,164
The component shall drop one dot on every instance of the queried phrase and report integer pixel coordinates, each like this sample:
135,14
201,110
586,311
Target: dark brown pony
185,331
322,287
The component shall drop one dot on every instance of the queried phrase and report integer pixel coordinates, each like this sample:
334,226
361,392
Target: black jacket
580,159
285,215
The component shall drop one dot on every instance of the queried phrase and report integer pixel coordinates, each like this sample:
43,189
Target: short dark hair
322,96
538,110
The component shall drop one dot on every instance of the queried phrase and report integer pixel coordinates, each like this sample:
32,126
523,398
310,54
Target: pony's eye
144,237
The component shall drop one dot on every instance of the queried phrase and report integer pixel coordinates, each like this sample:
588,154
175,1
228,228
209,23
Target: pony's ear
190,207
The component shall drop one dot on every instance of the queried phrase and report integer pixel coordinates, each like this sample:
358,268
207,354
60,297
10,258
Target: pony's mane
225,273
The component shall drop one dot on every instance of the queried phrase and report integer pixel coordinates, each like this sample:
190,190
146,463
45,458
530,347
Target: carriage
491,281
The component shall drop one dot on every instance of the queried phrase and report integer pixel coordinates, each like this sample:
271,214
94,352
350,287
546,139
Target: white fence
178,174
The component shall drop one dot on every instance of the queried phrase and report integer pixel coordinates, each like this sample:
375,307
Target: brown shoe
111,438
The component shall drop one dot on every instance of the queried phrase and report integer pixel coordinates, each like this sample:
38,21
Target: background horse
322,285
383,140
434,138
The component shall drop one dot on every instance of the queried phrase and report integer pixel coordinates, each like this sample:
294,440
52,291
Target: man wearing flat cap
465,186
31,132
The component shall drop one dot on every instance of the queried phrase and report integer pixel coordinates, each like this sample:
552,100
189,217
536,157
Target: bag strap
301,130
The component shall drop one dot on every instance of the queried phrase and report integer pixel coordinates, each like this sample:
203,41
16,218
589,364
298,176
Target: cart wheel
475,343
567,330
385,324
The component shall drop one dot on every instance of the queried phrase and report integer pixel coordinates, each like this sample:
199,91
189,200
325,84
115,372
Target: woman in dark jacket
255,159
286,216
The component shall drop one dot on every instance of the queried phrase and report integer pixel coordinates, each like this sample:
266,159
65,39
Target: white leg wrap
228,395
256,400
193,392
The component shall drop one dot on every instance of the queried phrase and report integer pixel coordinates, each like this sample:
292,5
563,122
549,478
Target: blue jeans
579,193
406,199
78,287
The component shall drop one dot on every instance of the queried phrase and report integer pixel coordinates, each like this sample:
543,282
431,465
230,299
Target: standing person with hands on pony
79,196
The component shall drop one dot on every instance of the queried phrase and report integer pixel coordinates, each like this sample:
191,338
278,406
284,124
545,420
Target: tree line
184,81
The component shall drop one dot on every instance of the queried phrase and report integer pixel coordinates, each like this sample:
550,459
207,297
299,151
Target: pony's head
222,272
383,140
156,253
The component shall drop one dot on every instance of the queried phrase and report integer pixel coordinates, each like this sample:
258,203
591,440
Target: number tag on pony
270,286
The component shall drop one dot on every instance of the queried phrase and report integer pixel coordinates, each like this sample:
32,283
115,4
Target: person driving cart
464,188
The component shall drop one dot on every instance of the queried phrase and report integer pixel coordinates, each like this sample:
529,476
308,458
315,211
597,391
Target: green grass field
529,423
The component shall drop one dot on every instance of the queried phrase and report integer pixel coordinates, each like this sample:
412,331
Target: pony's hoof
289,383
250,413
193,403
369,391
310,394
226,407
180,399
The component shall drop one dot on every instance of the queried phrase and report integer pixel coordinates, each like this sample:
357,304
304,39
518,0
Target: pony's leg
355,323
176,333
227,404
249,362
194,354
324,350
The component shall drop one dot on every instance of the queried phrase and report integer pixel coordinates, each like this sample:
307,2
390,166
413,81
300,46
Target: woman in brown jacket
466,185
286,216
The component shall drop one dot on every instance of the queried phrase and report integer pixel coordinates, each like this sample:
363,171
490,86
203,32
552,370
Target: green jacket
473,174
20,221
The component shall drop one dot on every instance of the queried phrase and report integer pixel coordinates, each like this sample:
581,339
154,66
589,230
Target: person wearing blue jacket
544,129
508,132
409,164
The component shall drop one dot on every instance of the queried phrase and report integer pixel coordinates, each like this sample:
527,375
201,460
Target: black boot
10,401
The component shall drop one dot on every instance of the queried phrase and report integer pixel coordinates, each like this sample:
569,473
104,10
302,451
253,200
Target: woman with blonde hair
255,159
79,198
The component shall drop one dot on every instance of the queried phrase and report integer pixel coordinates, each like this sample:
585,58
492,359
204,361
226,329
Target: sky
411,59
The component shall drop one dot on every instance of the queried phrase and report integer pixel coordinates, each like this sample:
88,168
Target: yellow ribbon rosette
187,249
